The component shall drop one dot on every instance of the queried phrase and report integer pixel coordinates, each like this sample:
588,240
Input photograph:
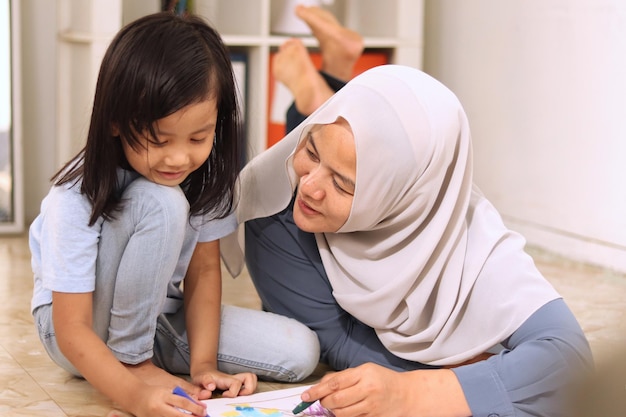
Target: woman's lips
305,208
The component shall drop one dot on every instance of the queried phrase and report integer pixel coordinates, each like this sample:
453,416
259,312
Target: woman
364,224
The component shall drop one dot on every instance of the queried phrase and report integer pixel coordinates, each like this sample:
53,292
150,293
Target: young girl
142,207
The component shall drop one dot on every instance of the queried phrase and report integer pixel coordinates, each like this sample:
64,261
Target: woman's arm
203,295
533,374
532,377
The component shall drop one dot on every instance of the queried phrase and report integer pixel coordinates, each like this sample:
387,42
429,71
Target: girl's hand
152,401
231,385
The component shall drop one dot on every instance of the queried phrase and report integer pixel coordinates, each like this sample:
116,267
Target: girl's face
183,143
325,163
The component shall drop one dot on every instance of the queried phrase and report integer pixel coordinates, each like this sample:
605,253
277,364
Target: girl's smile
183,143
171,176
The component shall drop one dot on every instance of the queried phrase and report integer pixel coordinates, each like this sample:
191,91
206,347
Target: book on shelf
240,72
280,98
240,63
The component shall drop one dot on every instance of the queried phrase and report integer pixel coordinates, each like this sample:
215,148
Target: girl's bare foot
293,67
153,375
340,46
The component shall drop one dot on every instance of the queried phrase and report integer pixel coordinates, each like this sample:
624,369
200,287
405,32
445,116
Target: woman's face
325,163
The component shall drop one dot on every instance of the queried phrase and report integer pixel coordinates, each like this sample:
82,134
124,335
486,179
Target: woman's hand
372,390
367,390
231,385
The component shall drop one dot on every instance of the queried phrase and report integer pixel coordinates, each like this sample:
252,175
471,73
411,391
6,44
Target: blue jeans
139,253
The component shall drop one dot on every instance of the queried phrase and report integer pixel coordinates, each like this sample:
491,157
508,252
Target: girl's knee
296,348
143,187
303,353
147,198
278,348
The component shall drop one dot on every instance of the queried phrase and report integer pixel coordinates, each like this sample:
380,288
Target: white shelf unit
85,28
245,25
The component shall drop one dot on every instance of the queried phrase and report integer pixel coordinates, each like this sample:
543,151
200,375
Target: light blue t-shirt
64,247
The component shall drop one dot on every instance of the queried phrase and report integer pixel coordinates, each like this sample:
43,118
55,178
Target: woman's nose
311,186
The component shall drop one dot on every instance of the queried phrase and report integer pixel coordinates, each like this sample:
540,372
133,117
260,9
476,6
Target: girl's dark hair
154,67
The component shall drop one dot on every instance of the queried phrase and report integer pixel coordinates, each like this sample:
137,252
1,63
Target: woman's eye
341,189
312,155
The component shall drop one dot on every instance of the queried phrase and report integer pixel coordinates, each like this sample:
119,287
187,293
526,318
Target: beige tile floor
31,385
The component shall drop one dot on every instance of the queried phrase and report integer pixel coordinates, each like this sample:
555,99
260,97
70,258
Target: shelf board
242,40
84,37
309,41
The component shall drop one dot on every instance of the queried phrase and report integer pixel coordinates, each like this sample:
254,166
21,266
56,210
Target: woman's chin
304,222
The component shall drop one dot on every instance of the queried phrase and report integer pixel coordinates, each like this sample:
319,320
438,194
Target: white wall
47,113
38,33
544,86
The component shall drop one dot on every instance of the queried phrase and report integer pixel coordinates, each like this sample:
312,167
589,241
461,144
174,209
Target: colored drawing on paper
279,403
246,410
317,410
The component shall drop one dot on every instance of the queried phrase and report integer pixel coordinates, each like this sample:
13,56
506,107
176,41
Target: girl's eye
198,140
156,143
154,140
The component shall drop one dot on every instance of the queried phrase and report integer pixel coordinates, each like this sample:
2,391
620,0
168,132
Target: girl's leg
271,346
286,268
43,321
136,258
138,253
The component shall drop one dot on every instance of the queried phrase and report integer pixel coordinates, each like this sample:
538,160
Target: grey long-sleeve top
528,378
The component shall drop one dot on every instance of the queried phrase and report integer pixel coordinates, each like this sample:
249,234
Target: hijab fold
423,257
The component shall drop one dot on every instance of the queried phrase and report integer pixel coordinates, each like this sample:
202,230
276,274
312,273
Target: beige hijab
423,258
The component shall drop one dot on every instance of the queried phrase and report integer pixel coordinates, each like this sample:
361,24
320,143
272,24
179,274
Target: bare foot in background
340,46
293,67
